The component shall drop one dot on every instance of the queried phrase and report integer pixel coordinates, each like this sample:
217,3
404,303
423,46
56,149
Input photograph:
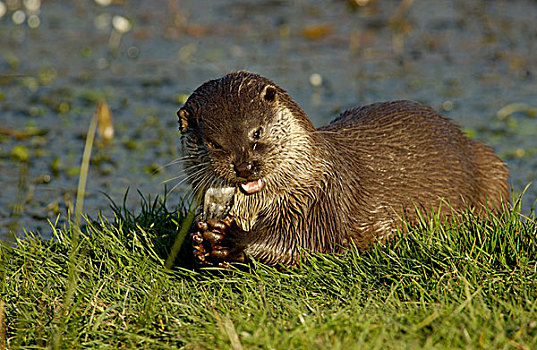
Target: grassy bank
470,286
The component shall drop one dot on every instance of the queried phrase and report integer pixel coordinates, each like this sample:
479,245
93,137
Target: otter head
243,131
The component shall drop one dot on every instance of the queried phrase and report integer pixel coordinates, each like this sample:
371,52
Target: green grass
472,285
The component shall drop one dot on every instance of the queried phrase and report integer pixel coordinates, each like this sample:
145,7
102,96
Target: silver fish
217,202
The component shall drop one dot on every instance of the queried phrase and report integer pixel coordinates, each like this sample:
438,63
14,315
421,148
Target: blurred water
467,59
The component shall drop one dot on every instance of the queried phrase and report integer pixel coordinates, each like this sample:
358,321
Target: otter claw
200,254
211,241
202,226
197,238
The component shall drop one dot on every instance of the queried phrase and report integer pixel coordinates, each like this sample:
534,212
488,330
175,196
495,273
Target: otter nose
244,169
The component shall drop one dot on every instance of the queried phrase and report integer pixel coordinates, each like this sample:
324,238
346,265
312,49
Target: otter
355,181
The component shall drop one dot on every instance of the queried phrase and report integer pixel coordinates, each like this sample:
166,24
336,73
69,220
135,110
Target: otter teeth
250,187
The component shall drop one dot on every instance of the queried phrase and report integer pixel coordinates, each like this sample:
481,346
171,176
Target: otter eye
212,145
257,133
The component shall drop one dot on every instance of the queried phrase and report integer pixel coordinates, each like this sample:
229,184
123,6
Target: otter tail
492,175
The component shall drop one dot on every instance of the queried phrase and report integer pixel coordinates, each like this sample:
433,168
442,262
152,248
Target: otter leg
213,241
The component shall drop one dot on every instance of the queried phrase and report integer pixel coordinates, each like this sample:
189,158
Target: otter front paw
215,241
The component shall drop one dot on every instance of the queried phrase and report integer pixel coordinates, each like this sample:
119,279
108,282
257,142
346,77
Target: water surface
467,59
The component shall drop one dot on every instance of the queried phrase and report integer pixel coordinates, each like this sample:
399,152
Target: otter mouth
251,187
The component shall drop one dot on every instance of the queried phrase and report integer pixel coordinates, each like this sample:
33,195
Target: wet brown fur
354,179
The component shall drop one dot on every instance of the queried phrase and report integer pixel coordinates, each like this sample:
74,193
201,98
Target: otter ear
269,94
183,115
